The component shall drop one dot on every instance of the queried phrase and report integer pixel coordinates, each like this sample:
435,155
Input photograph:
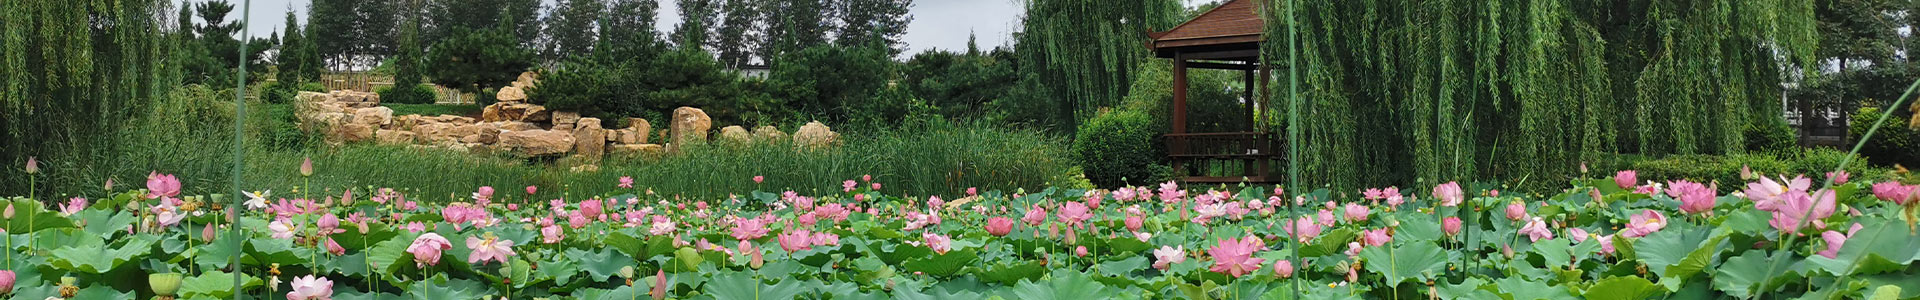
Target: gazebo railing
1210,154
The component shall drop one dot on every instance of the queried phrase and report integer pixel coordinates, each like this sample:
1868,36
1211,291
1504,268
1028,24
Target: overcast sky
942,24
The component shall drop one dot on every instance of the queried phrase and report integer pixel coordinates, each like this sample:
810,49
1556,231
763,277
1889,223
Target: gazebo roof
1235,25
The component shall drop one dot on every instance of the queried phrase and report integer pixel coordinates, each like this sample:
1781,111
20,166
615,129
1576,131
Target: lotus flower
6,281
1394,199
551,234
626,182
1894,191
427,248
162,186
824,238
1283,268
940,243
73,206
999,226
1695,198
1578,235
1450,225
281,228
485,192
1516,210
532,189
662,226
1303,229
1449,194
1376,237
1074,213
1035,216
1356,212
1606,244
759,179
1838,177
329,224
1835,240
491,248
796,240
1626,179
1235,256
334,248
1536,230
1766,192
1168,255
1134,222
847,186
1644,223
311,288
1080,251
257,200
1791,208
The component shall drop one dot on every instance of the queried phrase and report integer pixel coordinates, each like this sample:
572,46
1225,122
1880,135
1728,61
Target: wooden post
1248,94
1179,118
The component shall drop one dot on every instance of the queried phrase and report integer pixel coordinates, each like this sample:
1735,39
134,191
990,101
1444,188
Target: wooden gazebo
1227,37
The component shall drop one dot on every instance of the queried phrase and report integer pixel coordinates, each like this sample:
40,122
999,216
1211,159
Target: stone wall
515,125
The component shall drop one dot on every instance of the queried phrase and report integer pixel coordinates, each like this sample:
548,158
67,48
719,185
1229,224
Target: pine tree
865,21
288,56
736,38
573,23
696,18
629,22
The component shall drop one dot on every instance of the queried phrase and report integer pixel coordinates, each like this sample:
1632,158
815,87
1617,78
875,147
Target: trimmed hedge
1895,143
1118,148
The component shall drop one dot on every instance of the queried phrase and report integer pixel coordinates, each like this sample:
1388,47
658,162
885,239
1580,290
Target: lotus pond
1776,237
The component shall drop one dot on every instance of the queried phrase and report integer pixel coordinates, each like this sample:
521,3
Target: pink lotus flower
1839,177
876,186
1303,229
1536,230
416,227
1134,222
1353,249
1893,191
332,247
306,166
1516,210
1326,217
999,226
940,243
1449,194
551,234
1792,207
1235,257
1695,198
868,177
1835,240
281,228
1080,251
1766,192
972,192
1035,216
626,182
33,165
824,238
485,192
1394,199
329,224
1578,235
1450,225
796,240
848,186
427,248
759,179
1626,179
1357,213
532,189
593,208
1168,255
662,226
1606,244
73,206
934,202
1644,223
1283,268
1375,237
1170,193
492,248
311,288
1074,213
7,278
162,186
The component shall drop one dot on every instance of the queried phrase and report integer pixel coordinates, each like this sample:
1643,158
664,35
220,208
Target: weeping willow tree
1083,52
1396,92
69,72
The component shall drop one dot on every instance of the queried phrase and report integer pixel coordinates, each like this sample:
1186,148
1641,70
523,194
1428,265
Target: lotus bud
306,167
6,282
33,165
165,284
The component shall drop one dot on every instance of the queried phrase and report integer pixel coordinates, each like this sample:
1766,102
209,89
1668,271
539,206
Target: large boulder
735,135
815,134
312,97
641,150
767,133
432,131
526,80
516,126
505,111
590,141
536,142
690,125
352,132
394,137
565,120
510,94
635,133
373,116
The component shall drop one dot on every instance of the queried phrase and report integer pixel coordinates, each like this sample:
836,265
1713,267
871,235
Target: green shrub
1895,143
313,87
276,92
1119,148
419,94
1775,135
276,128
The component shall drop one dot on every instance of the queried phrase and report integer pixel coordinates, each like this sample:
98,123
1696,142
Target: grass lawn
470,110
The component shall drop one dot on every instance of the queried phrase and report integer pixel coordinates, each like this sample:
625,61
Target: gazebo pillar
1179,92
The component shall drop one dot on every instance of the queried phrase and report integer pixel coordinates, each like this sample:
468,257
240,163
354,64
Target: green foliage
1120,148
416,94
1895,143
471,60
1400,91
1772,136
960,84
832,82
1082,57
1813,162
622,83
